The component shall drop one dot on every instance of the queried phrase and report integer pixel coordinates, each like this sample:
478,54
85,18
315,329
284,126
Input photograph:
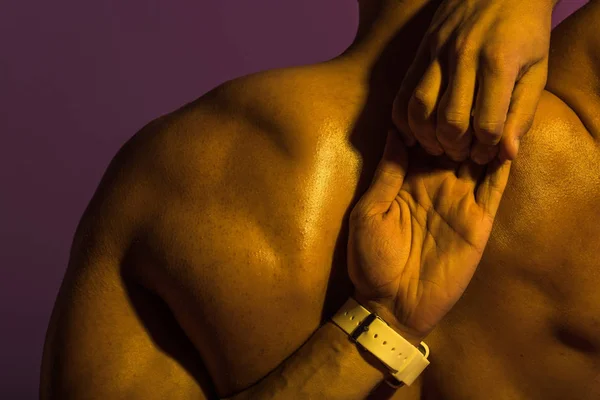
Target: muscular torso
528,326
250,251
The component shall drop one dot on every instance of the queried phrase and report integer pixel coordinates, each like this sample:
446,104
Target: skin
479,58
416,242
196,250
418,234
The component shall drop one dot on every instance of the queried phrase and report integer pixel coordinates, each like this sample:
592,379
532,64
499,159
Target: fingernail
517,143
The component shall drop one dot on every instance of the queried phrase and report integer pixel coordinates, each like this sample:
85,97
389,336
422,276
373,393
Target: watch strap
372,333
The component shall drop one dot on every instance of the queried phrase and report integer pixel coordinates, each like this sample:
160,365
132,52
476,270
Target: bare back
236,251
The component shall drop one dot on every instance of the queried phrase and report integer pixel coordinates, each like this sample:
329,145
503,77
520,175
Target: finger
483,153
491,189
401,126
421,117
454,113
402,100
461,146
444,15
388,178
493,99
436,36
523,106
442,27
400,115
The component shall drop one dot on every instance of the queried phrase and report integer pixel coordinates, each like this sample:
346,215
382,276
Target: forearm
327,366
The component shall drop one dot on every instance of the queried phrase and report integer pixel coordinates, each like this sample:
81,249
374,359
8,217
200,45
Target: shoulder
204,144
236,132
213,173
574,65
250,129
178,159
223,168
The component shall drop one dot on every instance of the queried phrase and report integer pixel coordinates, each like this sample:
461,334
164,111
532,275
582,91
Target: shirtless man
216,243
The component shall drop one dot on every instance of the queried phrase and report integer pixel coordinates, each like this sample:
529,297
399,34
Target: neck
387,40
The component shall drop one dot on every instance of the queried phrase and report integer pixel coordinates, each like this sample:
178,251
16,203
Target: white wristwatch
370,332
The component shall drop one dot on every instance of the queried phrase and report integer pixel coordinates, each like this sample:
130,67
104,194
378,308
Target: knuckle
491,131
496,59
419,98
465,47
464,53
419,107
452,125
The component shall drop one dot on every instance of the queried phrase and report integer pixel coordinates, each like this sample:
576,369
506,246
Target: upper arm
574,64
109,337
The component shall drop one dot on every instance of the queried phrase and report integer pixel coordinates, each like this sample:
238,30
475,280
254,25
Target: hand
416,239
496,49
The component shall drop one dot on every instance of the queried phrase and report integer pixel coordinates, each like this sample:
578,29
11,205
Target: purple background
79,78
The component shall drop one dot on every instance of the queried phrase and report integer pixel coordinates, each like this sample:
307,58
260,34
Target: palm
418,233
448,231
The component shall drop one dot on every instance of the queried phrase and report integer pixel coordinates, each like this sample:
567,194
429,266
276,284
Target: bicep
109,337
574,64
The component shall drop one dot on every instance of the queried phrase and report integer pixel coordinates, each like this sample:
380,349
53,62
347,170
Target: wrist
386,314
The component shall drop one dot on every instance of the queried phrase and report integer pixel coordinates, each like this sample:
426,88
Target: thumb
389,175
